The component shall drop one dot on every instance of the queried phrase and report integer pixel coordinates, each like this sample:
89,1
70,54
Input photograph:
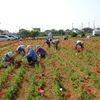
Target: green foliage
34,33
42,34
24,33
61,32
73,34
98,28
82,33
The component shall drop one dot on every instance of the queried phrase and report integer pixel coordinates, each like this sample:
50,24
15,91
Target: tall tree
34,33
24,33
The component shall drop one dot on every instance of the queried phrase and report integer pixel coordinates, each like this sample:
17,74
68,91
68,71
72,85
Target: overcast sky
48,14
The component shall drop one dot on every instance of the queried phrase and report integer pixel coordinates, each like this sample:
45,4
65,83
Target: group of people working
31,56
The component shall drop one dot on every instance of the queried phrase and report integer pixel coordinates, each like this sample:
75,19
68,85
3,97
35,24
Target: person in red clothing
41,51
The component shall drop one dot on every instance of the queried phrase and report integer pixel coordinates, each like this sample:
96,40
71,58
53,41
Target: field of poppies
65,74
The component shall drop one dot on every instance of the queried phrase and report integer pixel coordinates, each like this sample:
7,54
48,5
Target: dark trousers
49,45
29,59
82,46
42,56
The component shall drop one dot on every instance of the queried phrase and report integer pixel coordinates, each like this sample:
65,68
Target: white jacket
50,35
77,42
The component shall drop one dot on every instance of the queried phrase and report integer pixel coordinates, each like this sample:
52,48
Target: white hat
10,54
22,46
37,46
28,47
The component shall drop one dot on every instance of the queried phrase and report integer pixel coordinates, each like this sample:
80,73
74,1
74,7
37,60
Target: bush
82,34
73,34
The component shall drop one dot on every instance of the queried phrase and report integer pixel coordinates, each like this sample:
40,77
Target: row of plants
74,76
15,84
36,84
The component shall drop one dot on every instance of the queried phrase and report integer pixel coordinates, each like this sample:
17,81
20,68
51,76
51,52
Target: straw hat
28,47
37,46
10,54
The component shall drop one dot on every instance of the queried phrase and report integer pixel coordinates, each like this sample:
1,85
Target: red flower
25,91
68,95
97,65
9,75
27,65
53,79
19,63
98,71
42,63
11,60
39,88
54,63
58,94
41,71
88,90
39,77
2,93
56,78
0,73
83,87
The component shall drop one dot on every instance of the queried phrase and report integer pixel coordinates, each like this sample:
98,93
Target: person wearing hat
20,49
8,59
66,38
55,43
31,56
80,43
88,37
40,51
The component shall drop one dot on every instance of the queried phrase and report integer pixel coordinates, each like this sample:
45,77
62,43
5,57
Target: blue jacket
32,54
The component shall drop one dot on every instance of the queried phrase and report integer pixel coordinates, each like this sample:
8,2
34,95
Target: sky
49,14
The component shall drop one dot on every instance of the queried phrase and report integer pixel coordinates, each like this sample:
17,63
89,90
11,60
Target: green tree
73,34
24,33
62,32
82,33
34,33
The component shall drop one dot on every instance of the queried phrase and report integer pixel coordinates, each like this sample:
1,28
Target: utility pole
32,27
94,25
81,26
89,24
19,27
42,27
72,25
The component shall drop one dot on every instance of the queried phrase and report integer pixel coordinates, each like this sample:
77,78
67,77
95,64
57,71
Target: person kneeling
55,43
41,51
79,43
20,49
8,59
31,56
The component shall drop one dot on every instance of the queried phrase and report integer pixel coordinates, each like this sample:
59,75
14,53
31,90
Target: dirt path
48,84
22,91
89,84
66,82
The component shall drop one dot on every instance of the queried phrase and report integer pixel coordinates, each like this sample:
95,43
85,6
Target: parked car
4,38
13,37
